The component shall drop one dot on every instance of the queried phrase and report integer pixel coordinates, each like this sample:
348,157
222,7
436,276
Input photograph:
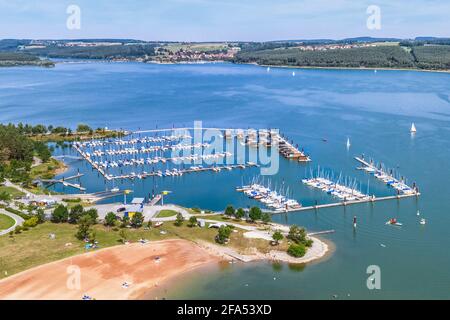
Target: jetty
64,181
155,200
348,203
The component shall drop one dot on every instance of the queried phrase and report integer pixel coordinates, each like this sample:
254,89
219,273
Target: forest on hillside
435,57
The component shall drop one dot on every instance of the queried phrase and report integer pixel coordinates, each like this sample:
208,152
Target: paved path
18,221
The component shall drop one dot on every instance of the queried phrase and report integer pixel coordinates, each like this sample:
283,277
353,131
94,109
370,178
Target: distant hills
425,52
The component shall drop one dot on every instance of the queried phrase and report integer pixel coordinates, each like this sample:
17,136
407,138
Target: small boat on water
413,128
348,143
423,221
394,222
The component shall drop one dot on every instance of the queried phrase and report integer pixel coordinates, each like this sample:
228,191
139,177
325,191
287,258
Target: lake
319,110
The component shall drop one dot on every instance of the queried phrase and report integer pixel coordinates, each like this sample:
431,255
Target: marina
159,155
275,200
322,109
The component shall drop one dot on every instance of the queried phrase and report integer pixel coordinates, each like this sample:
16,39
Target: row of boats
145,149
122,142
177,172
342,192
387,178
106,164
271,199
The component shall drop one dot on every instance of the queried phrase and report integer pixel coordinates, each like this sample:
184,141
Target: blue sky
207,20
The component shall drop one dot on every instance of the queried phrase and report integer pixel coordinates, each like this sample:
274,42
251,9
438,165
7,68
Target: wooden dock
348,203
64,182
155,200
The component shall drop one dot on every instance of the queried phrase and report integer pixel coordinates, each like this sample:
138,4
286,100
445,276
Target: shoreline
345,68
256,64
103,271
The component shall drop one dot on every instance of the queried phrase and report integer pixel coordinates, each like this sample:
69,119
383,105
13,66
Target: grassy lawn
6,222
166,213
34,247
12,191
47,170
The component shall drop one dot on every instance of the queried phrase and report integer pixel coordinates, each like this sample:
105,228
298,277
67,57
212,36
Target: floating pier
348,203
399,185
64,182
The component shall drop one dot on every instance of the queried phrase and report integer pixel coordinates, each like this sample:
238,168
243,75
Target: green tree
60,214
5,196
179,220
110,219
83,128
266,218
297,234
277,236
125,222
255,214
229,211
223,234
297,250
192,221
137,220
84,226
92,236
40,214
240,213
123,235
93,214
31,222
75,213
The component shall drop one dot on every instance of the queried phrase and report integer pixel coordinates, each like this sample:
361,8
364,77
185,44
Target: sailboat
413,128
348,143
293,73
268,69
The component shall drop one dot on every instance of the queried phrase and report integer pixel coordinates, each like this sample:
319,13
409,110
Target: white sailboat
413,128
348,143
268,69
293,73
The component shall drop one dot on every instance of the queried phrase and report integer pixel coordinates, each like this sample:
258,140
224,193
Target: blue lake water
375,110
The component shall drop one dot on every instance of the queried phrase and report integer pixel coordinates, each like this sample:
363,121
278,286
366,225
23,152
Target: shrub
297,234
93,214
84,226
240,213
277,236
31,223
75,213
254,214
266,218
137,220
296,250
179,220
110,219
60,214
223,234
229,211
192,221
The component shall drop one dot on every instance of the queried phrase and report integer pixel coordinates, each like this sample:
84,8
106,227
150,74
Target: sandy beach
102,273
143,267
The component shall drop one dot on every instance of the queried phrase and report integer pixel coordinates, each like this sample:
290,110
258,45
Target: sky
222,20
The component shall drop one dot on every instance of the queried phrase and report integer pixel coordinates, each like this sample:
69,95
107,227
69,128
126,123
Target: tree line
394,56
